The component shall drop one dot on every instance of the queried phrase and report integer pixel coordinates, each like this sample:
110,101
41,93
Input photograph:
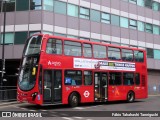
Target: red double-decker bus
57,70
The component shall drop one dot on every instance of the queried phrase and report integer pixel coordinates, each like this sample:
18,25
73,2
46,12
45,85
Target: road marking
16,107
67,118
90,107
93,106
78,108
24,108
32,110
78,117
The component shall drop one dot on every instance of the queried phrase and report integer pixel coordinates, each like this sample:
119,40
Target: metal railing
8,93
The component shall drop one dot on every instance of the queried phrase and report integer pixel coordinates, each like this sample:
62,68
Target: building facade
133,23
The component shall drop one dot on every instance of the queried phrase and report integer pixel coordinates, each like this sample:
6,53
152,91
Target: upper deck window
138,56
99,51
72,48
54,46
87,50
114,53
127,55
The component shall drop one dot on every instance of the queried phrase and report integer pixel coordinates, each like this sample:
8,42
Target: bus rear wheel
73,100
130,97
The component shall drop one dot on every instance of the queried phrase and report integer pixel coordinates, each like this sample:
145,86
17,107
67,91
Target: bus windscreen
33,46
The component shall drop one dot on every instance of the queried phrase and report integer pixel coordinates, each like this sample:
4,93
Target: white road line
16,107
24,108
94,106
89,119
78,108
78,117
32,110
90,107
67,118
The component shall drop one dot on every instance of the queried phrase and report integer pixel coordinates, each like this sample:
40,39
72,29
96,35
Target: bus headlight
34,94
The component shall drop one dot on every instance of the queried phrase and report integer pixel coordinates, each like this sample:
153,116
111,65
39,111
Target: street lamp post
3,43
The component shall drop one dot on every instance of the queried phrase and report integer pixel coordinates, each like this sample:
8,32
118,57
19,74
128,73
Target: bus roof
86,41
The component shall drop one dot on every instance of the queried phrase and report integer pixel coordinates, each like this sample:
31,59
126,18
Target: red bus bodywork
86,93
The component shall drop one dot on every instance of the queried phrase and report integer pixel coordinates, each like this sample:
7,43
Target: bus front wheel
73,100
130,97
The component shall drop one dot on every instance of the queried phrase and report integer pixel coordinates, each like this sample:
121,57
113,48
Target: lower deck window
114,78
73,77
137,79
128,78
87,77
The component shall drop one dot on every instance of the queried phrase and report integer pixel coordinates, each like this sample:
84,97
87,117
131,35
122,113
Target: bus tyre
130,97
73,100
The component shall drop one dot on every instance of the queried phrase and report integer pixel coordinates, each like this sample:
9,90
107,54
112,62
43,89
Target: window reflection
35,4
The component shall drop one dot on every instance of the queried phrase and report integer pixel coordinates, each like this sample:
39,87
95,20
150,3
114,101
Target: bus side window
128,78
127,55
87,77
87,50
54,46
115,78
138,56
114,53
73,77
137,79
72,48
99,51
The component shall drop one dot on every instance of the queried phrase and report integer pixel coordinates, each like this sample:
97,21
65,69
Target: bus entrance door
101,88
52,86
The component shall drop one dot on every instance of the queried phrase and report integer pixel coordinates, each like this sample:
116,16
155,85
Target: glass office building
133,23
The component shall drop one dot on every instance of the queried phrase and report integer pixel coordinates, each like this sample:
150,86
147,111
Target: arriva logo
55,63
